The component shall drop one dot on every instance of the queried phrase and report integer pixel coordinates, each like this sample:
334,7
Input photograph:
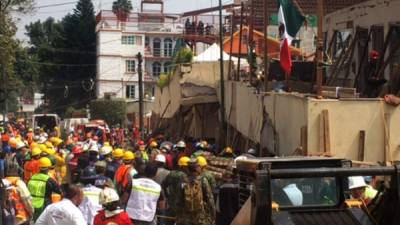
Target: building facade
152,33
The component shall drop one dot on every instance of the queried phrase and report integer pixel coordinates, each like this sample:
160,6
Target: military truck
312,191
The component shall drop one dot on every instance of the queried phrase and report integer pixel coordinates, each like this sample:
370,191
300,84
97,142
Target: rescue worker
153,150
141,153
41,187
198,200
21,197
228,153
90,204
111,213
360,190
124,173
102,180
147,192
105,152
113,166
162,172
207,174
172,187
65,212
31,167
72,164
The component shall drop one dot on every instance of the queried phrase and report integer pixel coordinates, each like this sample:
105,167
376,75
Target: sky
43,10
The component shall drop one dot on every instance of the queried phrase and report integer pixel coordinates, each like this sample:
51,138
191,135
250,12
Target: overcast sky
57,12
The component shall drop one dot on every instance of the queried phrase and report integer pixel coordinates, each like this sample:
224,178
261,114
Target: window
168,47
130,66
157,47
156,68
131,40
131,91
167,67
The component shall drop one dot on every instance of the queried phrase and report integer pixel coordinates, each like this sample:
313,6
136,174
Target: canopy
212,54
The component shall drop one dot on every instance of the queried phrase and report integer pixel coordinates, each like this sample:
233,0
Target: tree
66,50
122,8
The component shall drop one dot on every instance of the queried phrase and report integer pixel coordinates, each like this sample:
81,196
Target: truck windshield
300,192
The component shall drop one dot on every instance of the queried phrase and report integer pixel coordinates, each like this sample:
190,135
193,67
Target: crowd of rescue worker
50,180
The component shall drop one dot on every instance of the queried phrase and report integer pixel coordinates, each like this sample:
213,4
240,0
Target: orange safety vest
120,178
29,137
31,168
21,213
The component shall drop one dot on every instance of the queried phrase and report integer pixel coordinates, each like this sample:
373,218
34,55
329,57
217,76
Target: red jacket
120,219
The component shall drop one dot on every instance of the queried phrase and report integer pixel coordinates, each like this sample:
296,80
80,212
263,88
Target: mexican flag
291,20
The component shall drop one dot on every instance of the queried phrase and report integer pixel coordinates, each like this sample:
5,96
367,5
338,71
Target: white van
45,121
69,124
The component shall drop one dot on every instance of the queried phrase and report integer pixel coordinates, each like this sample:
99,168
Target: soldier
198,200
205,173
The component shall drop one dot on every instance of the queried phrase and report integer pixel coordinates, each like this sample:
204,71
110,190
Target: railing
158,52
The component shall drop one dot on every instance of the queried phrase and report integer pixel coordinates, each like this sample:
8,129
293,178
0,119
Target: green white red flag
291,20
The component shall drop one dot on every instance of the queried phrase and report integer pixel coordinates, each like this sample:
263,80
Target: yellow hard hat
118,153
42,147
51,151
153,144
36,151
56,141
128,155
44,162
228,150
184,161
49,144
202,161
33,145
30,129
13,142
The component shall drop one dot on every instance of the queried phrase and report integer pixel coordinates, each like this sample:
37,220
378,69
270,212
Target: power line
56,4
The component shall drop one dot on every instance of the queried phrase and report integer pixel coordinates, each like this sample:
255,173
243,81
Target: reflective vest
37,187
121,177
31,168
21,213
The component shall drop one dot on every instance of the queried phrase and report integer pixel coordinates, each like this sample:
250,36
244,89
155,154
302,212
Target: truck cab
310,190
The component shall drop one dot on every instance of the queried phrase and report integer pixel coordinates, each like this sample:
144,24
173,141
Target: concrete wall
290,112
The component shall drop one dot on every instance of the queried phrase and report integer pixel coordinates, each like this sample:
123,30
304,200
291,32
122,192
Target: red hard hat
77,149
141,142
374,54
95,138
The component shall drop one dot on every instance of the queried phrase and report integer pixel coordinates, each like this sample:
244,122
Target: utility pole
140,73
222,88
266,62
320,46
5,111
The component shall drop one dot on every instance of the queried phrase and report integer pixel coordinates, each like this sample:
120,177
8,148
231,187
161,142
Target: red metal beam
207,10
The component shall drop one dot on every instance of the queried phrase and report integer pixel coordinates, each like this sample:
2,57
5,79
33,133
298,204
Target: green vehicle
312,191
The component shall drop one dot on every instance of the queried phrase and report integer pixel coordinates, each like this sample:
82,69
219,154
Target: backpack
193,195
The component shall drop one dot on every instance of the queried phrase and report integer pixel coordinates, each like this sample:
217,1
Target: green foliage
71,112
122,8
113,111
66,51
184,55
163,80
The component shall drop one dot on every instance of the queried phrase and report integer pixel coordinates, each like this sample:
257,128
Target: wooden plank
327,137
321,133
303,139
387,152
361,146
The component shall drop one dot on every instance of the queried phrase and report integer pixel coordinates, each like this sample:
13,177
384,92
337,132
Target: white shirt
142,203
294,194
61,213
90,204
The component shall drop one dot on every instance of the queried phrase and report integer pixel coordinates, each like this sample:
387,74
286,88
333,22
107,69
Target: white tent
212,54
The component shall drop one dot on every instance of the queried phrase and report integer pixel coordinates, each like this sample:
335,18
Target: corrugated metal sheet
330,217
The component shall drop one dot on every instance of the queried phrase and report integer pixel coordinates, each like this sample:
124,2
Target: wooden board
327,134
303,139
361,146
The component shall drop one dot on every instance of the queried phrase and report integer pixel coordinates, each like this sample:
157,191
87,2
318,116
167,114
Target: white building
149,32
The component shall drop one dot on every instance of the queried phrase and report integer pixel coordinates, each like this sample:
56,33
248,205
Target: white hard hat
20,144
94,147
161,158
356,182
242,157
181,144
105,150
107,196
7,184
42,139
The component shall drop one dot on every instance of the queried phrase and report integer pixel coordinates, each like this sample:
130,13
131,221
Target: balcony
139,22
158,53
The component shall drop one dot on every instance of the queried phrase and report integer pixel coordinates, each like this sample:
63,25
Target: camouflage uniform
206,216
211,179
172,189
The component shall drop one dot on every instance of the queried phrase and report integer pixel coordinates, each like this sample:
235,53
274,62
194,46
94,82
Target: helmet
94,147
77,149
181,144
49,144
56,141
42,147
105,150
89,173
128,155
204,144
252,152
44,162
12,143
108,195
118,153
50,151
33,145
184,161
242,157
154,144
356,182
42,139
101,163
30,130
161,158
228,150
374,54
140,143
20,144
36,151
202,161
